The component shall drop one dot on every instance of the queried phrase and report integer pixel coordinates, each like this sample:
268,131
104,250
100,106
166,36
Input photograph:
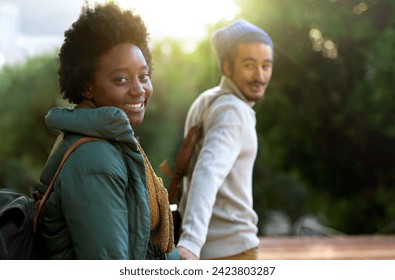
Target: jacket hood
106,122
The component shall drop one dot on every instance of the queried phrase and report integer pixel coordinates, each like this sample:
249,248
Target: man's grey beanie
224,39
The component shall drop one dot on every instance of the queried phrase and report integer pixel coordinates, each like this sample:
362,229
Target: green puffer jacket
99,208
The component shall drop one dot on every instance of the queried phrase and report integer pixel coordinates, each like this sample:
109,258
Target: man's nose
259,74
262,74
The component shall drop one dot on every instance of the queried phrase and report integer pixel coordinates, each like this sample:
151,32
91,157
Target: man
218,217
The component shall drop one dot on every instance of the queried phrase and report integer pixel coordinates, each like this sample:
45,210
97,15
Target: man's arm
221,147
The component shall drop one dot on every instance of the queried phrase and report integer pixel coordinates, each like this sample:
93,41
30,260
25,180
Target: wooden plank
328,248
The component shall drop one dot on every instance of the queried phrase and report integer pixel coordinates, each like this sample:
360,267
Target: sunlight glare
320,44
360,8
2,60
179,19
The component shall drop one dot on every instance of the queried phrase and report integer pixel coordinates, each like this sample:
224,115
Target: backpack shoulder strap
207,106
185,153
41,203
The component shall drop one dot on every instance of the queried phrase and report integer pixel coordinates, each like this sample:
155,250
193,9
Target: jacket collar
106,122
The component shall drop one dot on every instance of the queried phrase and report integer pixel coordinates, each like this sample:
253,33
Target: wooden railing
328,248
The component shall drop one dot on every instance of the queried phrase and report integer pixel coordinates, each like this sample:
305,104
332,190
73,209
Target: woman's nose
137,88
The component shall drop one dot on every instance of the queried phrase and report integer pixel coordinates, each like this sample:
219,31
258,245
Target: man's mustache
256,82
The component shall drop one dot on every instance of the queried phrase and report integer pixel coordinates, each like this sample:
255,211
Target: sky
179,19
42,22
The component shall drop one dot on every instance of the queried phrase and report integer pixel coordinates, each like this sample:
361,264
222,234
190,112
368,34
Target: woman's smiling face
122,80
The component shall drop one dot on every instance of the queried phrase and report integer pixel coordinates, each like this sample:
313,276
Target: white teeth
134,106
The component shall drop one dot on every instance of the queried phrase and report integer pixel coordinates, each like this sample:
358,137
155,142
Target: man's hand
185,254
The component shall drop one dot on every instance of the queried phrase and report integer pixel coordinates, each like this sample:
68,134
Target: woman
107,202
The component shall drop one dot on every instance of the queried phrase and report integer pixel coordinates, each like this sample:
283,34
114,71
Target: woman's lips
133,107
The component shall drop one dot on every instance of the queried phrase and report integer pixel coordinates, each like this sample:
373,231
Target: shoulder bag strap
185,152
41,203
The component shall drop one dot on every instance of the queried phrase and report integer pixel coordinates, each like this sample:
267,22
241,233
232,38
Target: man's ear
227,69
88,93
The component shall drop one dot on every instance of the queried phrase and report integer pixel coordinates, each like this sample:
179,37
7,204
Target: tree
27,91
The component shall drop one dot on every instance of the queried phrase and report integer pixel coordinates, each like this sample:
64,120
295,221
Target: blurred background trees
327,121
326,125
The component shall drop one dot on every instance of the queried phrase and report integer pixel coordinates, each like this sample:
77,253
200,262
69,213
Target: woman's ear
88,93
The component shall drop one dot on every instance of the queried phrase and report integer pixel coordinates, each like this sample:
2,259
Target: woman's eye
144,77
121,80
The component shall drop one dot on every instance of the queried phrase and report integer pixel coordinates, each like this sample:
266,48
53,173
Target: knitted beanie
226,38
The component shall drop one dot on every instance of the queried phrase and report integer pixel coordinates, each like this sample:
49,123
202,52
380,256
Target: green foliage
15,175
27,91
381,75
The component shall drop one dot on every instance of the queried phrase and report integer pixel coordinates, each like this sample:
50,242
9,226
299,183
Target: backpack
21,217
16,226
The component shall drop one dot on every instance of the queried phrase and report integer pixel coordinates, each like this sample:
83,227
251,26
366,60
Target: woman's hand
185,254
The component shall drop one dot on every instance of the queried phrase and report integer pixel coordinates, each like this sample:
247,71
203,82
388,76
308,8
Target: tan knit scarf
161,219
